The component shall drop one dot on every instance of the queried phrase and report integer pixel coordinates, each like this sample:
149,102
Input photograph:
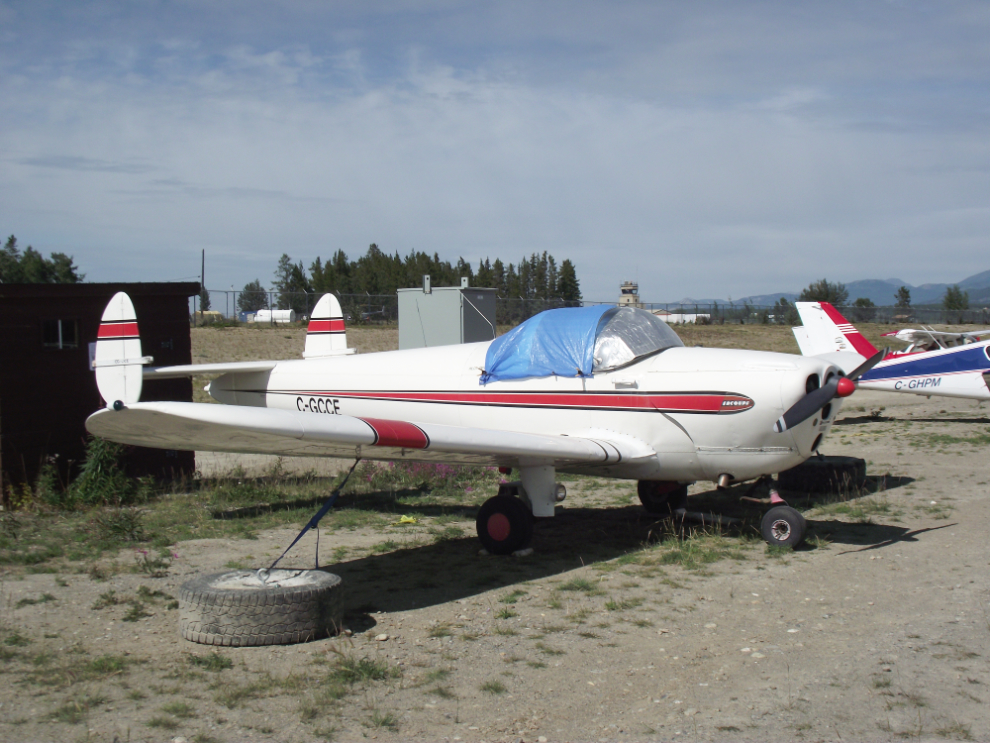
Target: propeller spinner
837,386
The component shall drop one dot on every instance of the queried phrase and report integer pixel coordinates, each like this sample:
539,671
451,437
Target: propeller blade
838,386
807,406
868,364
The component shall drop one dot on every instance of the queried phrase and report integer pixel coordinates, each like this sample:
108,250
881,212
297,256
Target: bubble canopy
577,342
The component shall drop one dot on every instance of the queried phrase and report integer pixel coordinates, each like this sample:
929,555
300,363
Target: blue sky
703,149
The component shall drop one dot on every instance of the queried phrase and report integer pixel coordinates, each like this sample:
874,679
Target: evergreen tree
903,297
485,276
31,267
568,287
825,291
378,273
253,297
863,309
292,285
955,299
498,277
204,299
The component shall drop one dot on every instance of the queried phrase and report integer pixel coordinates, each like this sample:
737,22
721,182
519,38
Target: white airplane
597,390
928,339
946,364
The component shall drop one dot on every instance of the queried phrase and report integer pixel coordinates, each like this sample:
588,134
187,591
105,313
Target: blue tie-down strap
314,523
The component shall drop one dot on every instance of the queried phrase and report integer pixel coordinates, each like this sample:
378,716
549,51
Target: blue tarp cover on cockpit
552,343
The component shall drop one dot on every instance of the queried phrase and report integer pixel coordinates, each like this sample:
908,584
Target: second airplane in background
935,363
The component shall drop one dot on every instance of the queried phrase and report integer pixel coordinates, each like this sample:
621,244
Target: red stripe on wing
398,434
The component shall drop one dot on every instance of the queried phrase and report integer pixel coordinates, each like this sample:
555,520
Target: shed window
60,334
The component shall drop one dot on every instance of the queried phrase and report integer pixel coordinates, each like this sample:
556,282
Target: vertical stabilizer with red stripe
826,330
118,359
326,335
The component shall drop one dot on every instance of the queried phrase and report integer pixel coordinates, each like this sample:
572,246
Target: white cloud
698,161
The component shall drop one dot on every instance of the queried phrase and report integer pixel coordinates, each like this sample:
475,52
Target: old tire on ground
504,525
825,475
662,498
238,608
783,526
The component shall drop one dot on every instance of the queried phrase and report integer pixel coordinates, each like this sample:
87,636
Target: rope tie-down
314,523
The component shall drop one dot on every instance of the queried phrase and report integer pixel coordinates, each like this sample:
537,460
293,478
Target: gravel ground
878,630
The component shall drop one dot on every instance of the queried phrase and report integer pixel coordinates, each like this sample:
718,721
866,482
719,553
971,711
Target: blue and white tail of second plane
959,371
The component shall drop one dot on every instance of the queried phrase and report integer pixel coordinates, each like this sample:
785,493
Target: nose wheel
504,525
784,526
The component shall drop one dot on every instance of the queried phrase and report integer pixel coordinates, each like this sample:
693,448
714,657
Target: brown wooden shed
47,389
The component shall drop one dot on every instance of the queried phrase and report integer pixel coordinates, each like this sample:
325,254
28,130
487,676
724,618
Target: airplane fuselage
961,371
700,413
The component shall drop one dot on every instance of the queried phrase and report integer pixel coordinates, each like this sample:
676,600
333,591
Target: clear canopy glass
630,334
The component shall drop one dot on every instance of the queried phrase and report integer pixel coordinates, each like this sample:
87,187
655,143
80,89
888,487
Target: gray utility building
445,315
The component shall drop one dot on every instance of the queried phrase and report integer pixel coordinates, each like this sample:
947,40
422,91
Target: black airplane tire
825,475
662,498
783,526
505,525
238,609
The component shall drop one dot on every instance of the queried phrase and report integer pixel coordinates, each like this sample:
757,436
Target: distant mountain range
880,291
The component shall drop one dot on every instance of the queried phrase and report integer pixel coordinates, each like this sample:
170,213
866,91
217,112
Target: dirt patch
612,630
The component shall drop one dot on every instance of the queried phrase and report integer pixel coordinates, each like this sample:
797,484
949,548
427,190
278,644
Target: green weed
45,598
135,611
107,598
213,661
493,687
180,709
17,640
581,584
384,720
513,597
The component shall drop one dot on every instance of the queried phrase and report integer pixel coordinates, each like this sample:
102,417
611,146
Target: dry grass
247,343
777,338
212,345
250,342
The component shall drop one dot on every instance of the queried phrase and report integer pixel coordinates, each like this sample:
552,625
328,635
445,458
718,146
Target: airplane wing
915,335
206,427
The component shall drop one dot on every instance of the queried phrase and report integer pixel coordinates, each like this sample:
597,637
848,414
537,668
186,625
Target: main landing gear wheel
505,525
242,607
784,526
662,498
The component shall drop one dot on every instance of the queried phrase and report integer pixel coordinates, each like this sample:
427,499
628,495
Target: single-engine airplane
947,364
599,390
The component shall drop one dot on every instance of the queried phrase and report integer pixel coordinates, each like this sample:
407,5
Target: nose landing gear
784,526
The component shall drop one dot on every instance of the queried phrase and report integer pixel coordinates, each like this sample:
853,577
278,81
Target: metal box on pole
445,315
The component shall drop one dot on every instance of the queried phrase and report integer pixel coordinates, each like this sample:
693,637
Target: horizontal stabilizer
190,370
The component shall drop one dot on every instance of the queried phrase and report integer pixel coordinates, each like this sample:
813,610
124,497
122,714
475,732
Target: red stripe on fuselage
333,325
126,329
704,402
398,434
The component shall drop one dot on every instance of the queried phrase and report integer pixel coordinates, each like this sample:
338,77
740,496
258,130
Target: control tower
629,295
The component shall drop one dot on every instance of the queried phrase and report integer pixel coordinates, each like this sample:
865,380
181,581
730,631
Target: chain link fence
372,309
